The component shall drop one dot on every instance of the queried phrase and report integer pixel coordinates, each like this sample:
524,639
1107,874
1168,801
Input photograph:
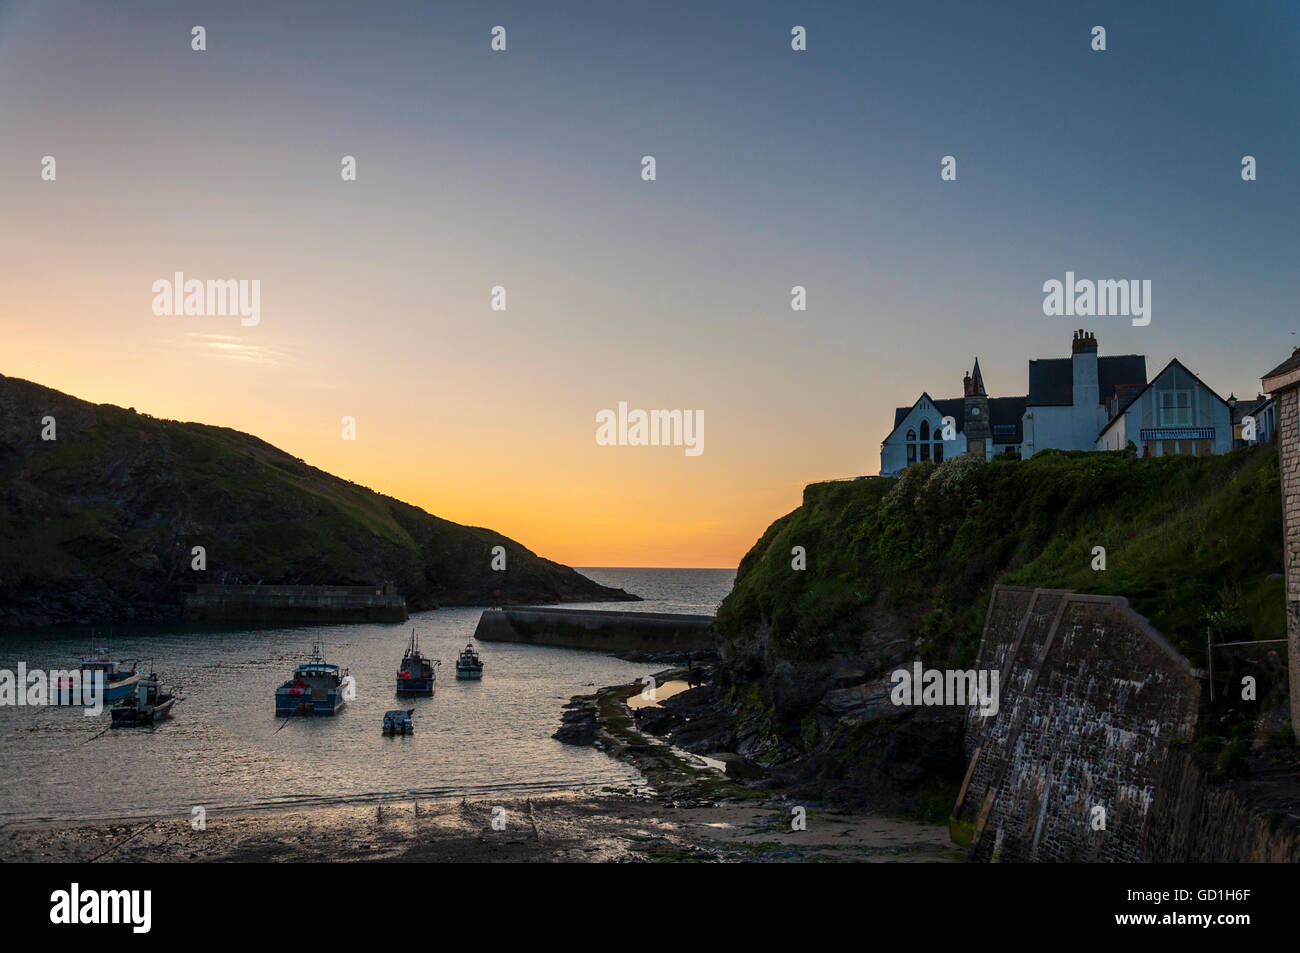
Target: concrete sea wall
602,630
216,603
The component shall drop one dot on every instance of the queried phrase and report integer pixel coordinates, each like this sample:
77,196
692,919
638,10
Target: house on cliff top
1081,402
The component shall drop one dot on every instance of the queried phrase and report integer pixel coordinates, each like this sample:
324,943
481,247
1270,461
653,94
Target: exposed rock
578,724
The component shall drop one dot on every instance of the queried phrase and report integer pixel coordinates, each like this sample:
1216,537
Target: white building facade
1071,399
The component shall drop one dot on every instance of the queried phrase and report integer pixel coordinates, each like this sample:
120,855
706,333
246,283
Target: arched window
938,445
925,430
925,440
911,446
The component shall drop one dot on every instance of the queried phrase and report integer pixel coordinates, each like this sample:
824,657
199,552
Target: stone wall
1197,819
1091,700
602,630
216,603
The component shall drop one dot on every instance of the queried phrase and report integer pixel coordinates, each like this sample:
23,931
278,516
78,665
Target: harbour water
225,749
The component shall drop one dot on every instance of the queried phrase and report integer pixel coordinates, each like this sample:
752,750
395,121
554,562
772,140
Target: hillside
97,525
900,569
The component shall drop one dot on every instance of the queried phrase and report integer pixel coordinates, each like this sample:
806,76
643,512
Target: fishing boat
469,665
315,689
119,682
417,674
398,722
148,705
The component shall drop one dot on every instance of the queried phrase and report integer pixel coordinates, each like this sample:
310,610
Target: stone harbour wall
602,630
1092,700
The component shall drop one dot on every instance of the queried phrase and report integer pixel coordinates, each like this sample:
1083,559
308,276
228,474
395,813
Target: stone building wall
1288,448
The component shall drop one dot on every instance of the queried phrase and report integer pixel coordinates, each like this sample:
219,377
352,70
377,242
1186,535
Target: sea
224,749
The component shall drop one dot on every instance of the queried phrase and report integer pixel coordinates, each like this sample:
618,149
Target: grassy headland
98,524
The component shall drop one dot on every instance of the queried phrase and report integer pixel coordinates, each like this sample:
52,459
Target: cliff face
902,569
98,524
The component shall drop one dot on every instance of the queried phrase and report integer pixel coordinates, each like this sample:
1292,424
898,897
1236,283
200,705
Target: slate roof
1280,375
1051,380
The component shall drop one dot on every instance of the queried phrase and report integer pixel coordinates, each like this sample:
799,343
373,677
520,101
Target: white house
989,426
1072,398
1175,413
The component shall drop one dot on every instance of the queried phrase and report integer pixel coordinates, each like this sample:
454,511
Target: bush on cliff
1192,542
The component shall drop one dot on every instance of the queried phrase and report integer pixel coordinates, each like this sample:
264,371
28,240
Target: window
938,453
925,430
911,446
1175,408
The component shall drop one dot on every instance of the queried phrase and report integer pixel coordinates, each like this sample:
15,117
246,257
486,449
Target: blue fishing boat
398,722
315,689
469,665
417,674
119,682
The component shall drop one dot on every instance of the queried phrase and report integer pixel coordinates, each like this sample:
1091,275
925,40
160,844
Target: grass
1189,541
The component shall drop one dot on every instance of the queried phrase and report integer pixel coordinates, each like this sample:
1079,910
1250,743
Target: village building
1072,398
1081,402
1253,421
1283,384
1176,413
975,423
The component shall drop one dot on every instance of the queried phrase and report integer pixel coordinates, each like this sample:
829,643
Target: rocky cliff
98,524
898,570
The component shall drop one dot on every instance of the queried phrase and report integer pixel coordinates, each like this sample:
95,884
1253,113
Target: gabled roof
901,412
1123,410
1051,380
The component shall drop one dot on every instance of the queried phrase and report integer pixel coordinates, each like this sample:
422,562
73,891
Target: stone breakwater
332,604
601,630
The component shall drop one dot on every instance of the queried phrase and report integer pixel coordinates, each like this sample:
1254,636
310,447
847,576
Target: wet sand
576,828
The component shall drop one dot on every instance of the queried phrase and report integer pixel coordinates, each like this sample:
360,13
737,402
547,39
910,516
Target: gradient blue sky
523,169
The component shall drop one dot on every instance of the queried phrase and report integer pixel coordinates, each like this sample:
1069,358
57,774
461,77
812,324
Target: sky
523,169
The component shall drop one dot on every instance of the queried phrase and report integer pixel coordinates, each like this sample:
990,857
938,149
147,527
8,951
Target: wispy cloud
234,348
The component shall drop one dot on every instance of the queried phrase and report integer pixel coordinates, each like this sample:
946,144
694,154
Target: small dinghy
398,722
149,704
